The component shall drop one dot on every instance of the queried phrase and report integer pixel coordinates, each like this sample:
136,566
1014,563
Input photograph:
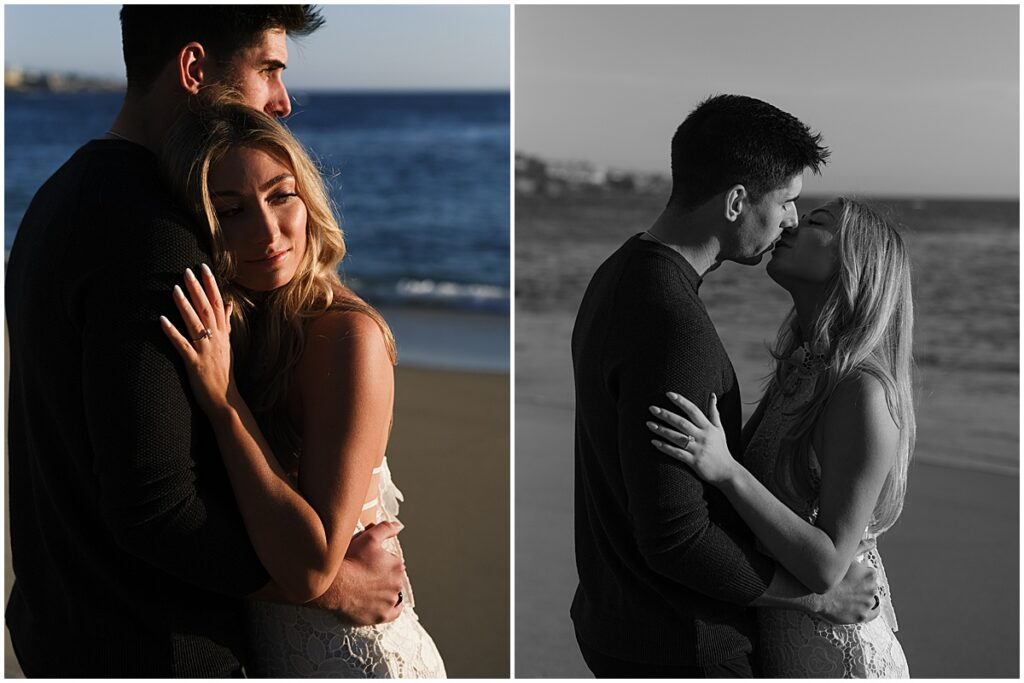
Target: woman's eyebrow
263,188
274,181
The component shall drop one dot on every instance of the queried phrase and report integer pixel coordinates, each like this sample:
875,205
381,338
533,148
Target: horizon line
882,194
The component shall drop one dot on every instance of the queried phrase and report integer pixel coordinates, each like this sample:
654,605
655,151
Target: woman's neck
807,303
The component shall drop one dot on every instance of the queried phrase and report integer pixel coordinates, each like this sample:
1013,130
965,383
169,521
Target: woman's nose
266,229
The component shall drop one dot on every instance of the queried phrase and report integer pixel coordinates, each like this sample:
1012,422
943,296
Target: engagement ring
205,334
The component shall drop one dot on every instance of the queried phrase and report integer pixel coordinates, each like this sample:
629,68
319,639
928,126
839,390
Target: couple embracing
707,549
199,407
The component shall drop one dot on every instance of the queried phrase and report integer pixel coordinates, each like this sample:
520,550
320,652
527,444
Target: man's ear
192,66
736,198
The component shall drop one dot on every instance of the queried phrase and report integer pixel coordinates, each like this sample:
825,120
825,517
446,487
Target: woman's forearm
289,536
807,551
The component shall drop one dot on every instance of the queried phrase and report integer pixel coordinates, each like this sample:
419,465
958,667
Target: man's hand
855,600
365,591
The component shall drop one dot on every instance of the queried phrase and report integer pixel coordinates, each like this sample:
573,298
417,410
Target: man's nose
279,105
791,221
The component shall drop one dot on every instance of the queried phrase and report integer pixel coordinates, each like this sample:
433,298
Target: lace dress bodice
296,641
794,643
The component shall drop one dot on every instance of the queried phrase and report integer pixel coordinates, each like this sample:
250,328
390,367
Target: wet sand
449,454
952,559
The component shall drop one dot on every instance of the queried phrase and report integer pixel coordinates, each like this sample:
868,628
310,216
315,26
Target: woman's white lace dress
795,644
290,641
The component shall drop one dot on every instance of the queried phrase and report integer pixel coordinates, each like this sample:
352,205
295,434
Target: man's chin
749,260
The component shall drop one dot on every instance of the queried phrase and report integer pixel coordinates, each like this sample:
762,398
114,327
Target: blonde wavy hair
267,328
865,325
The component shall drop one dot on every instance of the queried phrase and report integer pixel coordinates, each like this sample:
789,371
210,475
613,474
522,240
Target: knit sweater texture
666,566
129,551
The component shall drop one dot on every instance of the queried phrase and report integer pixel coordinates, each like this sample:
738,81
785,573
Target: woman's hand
697,441
206,345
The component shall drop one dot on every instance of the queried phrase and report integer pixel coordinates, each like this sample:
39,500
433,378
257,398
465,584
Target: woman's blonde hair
865,325
268,334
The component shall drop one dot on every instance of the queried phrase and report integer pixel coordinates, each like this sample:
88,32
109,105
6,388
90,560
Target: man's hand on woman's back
855,599
365,592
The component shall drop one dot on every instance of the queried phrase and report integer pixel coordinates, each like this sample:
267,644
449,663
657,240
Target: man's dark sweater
665,564
126,541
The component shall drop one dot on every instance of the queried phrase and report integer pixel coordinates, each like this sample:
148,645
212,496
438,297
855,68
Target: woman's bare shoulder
340,324
857,391
857,414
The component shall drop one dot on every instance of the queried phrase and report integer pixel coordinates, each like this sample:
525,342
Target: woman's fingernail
164,321
206,270
714,397
178,292
654,409
673,395
656,443
189,274
652,425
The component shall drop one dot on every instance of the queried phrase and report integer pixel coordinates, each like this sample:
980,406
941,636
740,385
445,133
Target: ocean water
965,257
421,182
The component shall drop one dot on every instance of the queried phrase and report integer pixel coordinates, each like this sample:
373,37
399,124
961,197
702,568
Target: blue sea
421,182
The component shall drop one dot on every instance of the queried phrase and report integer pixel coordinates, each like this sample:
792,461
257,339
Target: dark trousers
604,666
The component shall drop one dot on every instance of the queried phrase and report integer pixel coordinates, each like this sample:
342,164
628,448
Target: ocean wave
428,293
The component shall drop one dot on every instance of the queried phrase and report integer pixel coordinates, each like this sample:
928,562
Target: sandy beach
952,559
449,454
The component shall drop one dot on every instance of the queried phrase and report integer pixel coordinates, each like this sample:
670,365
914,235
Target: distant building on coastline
17,79
555,178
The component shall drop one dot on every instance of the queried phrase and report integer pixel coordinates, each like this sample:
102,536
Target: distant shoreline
28,81
539,177
39,82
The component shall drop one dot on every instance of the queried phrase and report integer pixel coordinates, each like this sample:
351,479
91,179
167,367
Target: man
667,569
129,552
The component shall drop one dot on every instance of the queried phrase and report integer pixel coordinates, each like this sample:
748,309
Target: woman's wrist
733,481
226,410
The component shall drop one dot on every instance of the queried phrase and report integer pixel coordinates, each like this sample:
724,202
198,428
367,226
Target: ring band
877,602
401,596
689,440
205,334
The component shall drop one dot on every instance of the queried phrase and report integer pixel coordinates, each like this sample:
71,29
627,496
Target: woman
304,429
829,444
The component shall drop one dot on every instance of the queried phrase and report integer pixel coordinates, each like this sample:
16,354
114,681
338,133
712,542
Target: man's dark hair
735,140
151,35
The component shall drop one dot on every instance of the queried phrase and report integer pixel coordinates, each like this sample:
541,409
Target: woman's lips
272,259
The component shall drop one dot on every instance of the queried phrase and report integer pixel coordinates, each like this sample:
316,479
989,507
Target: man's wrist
336,599
816,603
785,592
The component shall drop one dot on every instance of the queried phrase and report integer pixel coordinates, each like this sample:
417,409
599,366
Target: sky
395,47
912,100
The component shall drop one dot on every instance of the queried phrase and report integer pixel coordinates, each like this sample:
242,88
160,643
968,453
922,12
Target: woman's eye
228,211
282,198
